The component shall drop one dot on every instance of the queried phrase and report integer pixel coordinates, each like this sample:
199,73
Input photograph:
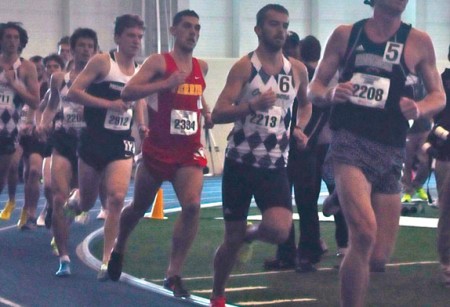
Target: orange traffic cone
158,207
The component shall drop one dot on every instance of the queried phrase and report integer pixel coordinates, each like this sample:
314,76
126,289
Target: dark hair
127,21
310,51
56,58
292,39
23,35
178,16
65,40
261,15
448,52
36,59
83,33
370,2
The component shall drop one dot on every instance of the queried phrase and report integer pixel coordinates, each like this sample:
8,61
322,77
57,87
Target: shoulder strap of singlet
353,40
401,37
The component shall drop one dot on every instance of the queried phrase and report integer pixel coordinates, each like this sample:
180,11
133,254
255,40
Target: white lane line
4,301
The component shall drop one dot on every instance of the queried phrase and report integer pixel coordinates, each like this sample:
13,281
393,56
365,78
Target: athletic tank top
379,76
261,139
70,114
174,115
106,120
10,105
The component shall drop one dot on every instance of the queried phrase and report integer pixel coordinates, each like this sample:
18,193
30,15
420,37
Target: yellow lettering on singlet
190,89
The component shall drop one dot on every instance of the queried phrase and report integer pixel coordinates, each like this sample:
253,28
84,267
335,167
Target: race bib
6,97
118,121
73,117
183,122
370,91
268,120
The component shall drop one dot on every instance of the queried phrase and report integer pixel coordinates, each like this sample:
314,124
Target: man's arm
96,69
139,114
318,91
422,48
28,86
304,109
148,80
226,110
51,108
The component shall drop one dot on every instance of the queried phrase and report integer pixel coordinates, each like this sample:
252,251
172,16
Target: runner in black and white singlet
66,118
371,108
18,86
258,97
106,146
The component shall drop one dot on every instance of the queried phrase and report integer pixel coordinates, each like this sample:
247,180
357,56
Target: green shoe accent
406,198
422,194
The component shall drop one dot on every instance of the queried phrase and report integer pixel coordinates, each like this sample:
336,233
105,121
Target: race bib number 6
370,91
183,122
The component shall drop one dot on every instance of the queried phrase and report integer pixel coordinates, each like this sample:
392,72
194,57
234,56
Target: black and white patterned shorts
381,164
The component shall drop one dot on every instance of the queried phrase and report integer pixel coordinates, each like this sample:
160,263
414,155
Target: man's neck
9,58
382,26
124,60
270,58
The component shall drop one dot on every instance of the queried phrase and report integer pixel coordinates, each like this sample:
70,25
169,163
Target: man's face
64,52
292,50
51,67
10,41
187,33
130,40
273,32
393,7
84,49
40,69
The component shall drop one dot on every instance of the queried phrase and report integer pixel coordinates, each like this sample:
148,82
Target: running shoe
305,266
331,205
64,269
218,301
422,194
102,214
406,198
55,250
278,264
446,274
48,218
5,214
115,266
41,219
341,252
30,224
71,206
22,219
82,218
103,273
175,284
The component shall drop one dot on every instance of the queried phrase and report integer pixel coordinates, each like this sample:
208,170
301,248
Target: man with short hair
372,103
172,149
106,147
258,97
67,118
18,86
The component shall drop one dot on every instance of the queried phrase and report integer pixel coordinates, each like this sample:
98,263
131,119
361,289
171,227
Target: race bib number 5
370,91
118,121
183,122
